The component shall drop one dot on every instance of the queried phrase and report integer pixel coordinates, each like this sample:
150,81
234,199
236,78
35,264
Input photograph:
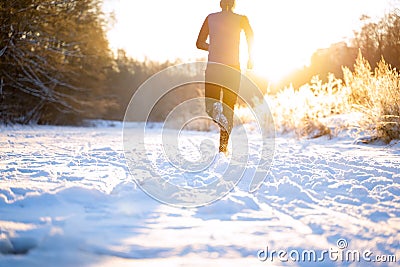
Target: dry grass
374,94
303,111
377,95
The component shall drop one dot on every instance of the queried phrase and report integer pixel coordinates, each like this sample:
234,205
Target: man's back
224,32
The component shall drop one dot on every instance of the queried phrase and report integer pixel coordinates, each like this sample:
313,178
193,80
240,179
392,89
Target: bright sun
288,32
268,62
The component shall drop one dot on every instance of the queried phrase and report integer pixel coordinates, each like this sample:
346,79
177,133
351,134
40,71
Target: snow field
68,199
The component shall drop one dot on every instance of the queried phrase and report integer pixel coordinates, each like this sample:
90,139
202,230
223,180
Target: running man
223,30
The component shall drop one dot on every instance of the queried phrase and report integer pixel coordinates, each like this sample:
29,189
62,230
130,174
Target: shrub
377,95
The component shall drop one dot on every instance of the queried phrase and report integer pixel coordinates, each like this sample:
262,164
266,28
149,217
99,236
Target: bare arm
203,35
250,40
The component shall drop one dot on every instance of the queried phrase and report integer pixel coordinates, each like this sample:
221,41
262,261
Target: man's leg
229,100
212,90
212,95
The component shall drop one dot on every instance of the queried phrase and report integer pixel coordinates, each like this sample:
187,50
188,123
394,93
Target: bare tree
380,39
52,53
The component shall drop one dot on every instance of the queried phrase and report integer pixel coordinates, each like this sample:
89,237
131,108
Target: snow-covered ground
67,199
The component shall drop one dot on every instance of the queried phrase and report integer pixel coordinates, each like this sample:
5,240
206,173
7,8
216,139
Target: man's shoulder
214,14
240,16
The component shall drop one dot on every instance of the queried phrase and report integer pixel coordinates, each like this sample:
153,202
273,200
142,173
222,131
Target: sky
287,32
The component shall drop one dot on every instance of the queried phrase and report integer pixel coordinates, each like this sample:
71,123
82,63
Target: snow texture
68,199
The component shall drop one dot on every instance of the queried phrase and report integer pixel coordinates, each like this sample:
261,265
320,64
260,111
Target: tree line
375,39
56,66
